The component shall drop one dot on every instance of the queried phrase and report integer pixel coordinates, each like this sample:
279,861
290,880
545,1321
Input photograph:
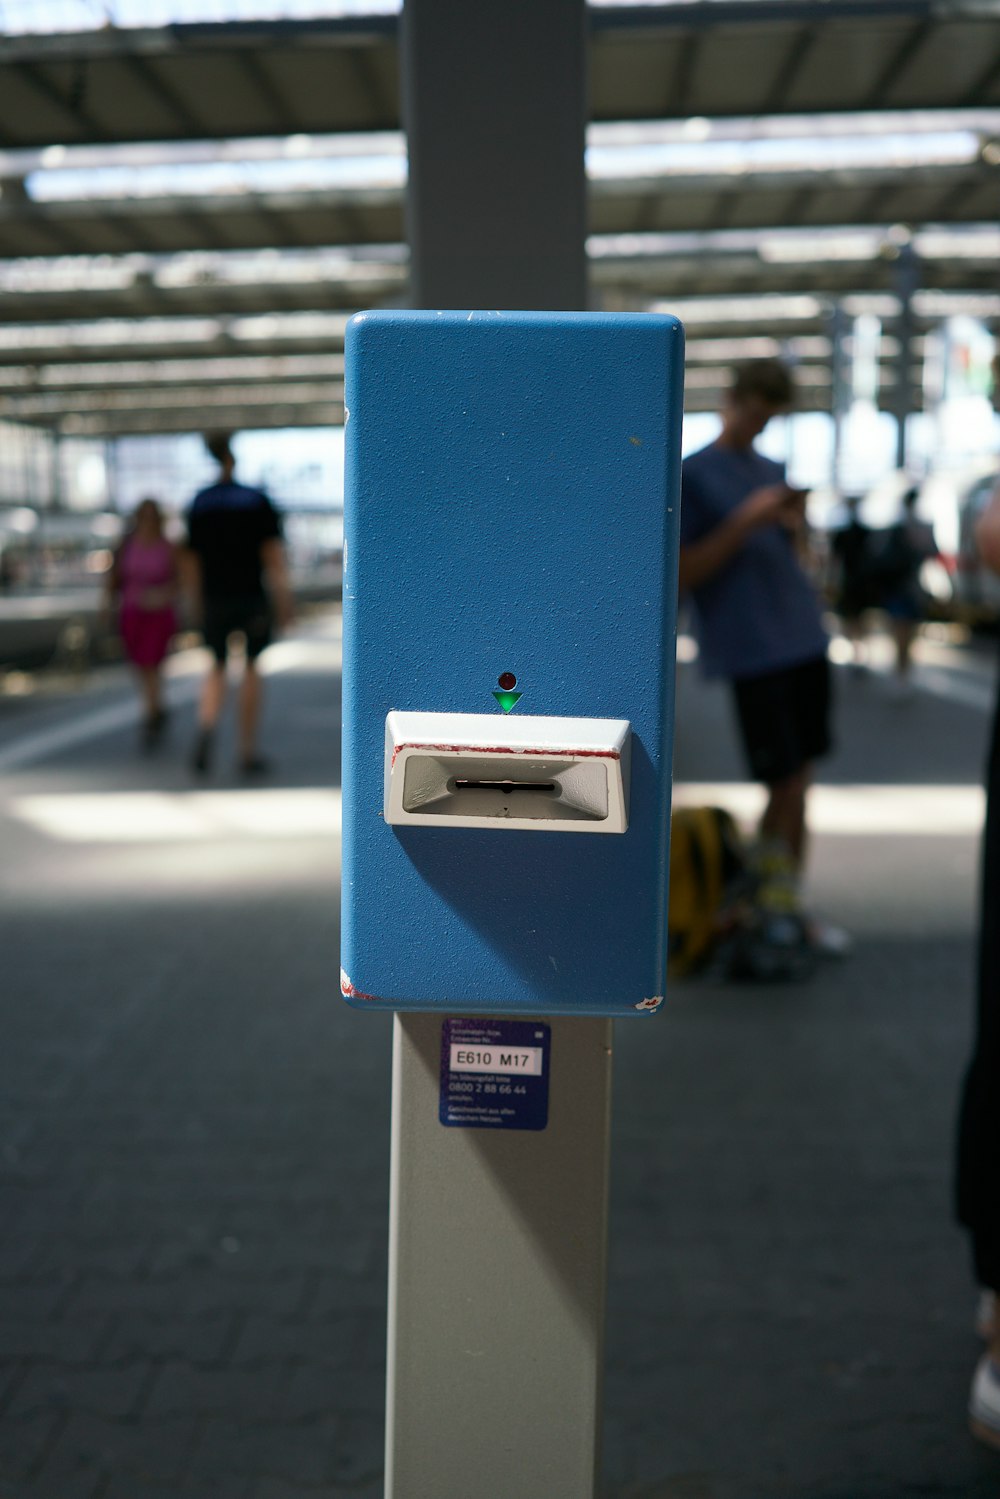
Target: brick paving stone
116,1258
75,1342
97,1391
359,1451
25,1437
198,1486
329,1296
11,1377
303,1452
29,1302
20,1259
248,1395
280,1488
203,1293
201,1340
144,1452
330,1343
68,1476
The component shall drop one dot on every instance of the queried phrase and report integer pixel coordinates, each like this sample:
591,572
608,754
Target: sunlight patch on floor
857,811
162,816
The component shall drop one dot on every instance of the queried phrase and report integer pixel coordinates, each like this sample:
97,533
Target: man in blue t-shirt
235,562
756,614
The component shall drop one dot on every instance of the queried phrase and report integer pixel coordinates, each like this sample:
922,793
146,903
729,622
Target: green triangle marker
507,700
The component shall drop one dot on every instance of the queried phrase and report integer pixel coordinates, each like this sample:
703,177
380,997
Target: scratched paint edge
499,749
348,990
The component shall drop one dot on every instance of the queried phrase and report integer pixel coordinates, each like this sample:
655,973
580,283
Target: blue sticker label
495,1074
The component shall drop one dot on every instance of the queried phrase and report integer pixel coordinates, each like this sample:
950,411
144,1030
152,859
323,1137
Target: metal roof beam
606,20
218,203
683,80
221,205
160,41
984,84
139,374
790,68
169,97
231,418
900,61
71,106
281,112
172,337
206,398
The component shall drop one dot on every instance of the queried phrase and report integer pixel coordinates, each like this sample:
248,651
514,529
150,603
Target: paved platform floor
194,1129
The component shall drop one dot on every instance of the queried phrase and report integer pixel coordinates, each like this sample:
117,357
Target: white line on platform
853,811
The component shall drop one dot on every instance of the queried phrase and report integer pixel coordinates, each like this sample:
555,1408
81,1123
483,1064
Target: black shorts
785,718
250,616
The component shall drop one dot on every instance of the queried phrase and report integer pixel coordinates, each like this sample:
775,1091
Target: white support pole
497,1276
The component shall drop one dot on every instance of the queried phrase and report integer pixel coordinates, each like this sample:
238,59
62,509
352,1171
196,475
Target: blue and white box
510,596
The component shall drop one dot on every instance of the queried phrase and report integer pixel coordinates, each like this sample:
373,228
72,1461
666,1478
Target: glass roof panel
625,153
37,16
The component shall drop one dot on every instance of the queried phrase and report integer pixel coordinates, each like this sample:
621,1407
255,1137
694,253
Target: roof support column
840,387
494,96
907,280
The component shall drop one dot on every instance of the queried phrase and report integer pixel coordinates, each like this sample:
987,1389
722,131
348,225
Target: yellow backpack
707,863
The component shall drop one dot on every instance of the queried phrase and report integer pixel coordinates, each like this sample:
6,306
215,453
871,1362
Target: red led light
506,680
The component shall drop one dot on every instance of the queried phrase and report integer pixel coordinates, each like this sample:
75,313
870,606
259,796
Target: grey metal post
906,282
111,473
494,96
840,387
496,1282
57,470
498,1239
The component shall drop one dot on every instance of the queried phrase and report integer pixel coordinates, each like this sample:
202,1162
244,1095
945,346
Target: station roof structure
188,213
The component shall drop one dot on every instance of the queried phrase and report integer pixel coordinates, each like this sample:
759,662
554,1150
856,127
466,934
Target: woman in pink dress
144,580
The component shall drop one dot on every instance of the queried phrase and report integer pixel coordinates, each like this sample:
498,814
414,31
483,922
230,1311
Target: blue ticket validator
510,582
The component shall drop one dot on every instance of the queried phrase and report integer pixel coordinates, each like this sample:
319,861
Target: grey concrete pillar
906,281
840,386
494,101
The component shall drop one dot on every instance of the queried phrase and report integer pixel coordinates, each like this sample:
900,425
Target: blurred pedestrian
896,558
849,545
142,583
978,1176
757,617
238,575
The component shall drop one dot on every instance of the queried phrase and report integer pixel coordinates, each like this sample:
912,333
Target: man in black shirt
238,573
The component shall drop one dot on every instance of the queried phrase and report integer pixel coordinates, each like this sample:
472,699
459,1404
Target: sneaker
152,730
984,1402
201,755
254,765
828,940
986,1314
776,879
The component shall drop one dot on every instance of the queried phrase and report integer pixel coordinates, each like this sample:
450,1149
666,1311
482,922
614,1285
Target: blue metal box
511,510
